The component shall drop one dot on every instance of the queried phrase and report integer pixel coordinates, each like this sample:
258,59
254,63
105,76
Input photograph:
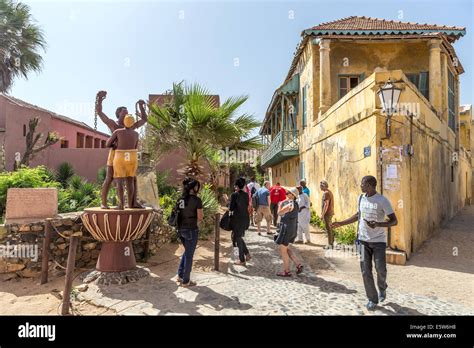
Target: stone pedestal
115,278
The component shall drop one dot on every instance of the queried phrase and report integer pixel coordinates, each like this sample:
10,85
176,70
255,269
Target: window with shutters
346,83
421,82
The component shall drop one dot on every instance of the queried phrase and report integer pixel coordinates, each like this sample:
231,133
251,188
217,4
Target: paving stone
256,290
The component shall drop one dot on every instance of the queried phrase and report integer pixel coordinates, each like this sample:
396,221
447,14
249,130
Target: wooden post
217,233
147,243
71,260
45,257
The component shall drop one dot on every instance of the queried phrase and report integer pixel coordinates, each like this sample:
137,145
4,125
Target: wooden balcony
283,146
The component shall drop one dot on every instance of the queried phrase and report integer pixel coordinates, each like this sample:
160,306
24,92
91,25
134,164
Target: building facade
326,121
466,126
80,145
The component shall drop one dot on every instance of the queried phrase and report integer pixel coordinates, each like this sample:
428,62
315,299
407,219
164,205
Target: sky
135,48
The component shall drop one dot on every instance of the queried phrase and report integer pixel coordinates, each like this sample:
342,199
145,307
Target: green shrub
316,220
167,203
101,174
210,207
24,178
162,183
75,182
64,173
79,194
342,235
346,234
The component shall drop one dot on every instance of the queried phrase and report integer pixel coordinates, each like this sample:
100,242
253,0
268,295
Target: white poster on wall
392,172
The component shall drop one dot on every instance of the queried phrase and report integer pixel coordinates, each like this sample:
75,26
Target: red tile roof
355,27
368,23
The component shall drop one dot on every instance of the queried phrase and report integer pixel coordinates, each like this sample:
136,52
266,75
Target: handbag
174,216
226,223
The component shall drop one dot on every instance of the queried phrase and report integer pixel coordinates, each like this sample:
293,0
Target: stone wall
31,236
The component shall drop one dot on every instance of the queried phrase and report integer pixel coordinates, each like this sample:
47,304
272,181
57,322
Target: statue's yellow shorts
125,163
110,159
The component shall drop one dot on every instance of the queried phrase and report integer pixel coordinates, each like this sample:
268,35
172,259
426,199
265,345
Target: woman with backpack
190,214
288,210
239,203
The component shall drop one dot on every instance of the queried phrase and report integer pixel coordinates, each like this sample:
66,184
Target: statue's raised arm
101,95
140,110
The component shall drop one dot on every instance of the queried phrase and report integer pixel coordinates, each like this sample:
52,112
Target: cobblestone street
256,290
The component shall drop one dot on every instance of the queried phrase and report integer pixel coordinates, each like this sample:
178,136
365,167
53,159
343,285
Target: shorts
110,159
263,212
125,163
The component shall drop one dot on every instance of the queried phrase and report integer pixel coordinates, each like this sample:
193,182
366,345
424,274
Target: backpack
255,200
253,190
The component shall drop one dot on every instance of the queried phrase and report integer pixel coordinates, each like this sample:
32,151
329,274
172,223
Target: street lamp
389,96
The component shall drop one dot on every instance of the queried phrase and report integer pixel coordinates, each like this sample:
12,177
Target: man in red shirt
277,194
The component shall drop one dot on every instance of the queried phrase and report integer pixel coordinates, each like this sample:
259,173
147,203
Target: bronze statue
121,113
125,163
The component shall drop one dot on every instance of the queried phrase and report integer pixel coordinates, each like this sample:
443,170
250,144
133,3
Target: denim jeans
375,251
189,239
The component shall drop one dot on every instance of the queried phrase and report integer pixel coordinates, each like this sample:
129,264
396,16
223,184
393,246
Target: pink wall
86,162
176,163
69,132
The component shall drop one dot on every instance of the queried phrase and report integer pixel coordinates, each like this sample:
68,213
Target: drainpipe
389,230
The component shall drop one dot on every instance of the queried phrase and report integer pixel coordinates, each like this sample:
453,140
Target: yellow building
326,121
466,123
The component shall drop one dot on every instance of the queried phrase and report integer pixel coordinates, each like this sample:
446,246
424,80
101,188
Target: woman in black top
239,203
288,210
190,214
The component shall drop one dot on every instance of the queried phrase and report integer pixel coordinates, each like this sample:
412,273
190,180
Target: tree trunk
32,139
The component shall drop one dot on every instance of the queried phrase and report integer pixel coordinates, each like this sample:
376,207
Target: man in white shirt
253,187
372,209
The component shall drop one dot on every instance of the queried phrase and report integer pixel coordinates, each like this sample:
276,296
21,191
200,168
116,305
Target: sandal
284,274
179,280
187,285
248,257
299,268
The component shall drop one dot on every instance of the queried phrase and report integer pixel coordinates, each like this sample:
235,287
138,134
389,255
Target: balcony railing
283,146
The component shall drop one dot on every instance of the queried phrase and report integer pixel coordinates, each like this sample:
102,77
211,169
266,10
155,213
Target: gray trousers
375,251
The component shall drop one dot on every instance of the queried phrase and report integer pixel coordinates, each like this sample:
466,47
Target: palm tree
191,120
20,41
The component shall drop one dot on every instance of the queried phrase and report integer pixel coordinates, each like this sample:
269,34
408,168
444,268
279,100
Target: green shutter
304,107
413,78
423,86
